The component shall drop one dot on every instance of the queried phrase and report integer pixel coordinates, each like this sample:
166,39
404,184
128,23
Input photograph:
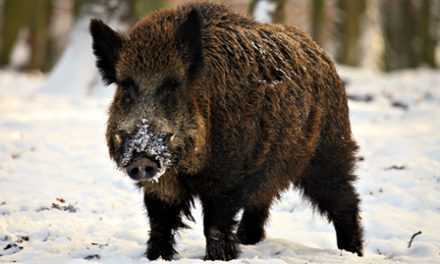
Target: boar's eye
129,88
169,85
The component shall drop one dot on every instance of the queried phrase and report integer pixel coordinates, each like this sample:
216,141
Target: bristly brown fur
254,109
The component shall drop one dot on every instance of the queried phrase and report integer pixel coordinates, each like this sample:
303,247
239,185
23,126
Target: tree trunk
34,16
141,7
399,29
279,16
39,35
13,21
349,31
78,5
428,35
410,29
318,20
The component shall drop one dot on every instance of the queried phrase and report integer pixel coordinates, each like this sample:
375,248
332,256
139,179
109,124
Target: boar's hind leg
328,183
219,213
165,219
251,228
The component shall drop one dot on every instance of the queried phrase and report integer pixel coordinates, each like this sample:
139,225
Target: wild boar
214,105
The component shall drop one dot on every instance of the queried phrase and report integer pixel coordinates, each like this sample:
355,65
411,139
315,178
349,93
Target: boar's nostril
149,170
143,168
134,173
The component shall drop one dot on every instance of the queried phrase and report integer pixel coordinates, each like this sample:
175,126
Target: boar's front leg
219,213
165,219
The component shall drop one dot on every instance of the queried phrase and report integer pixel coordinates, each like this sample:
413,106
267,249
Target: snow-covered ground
63,201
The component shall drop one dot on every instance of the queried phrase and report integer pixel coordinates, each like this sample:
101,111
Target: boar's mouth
146,150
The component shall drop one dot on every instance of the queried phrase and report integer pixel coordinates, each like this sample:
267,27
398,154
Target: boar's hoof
159,247
221,247
250,235
355,247
349,233
350,241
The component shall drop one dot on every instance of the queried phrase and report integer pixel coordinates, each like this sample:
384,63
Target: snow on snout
153,145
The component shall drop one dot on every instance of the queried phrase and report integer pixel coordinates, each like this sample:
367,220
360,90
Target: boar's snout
142,169
143,153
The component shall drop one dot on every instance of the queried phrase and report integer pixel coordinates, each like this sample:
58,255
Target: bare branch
412,238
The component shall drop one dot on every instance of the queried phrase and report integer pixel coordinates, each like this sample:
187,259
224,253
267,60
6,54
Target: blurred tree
33,15
428,29
77,59
276,9
349,30
136,9
410,31
13,21
141,7
400,30
39,35
318,20
107,10
77,6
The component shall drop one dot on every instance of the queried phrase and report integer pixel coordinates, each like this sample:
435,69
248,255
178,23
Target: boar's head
156,124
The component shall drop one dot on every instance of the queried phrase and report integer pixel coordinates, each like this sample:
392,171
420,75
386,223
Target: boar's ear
106,46
189,42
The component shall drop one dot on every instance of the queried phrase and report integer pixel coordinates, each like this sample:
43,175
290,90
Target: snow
62,200
263,10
